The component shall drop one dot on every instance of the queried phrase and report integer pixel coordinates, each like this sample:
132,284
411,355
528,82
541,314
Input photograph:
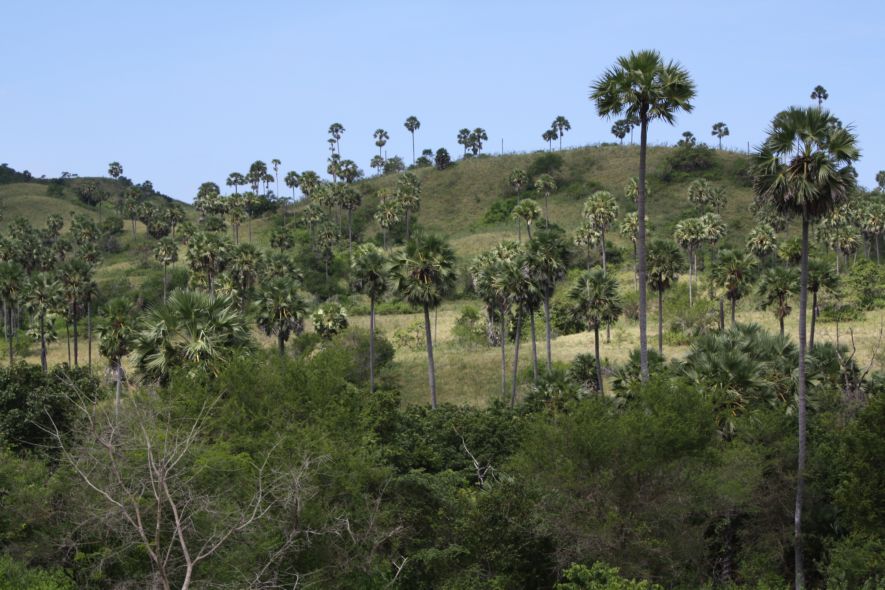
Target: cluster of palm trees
557,129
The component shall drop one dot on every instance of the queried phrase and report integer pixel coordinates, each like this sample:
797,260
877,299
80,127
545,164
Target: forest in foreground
521,371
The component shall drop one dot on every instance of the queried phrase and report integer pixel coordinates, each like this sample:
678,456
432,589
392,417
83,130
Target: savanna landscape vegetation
620,366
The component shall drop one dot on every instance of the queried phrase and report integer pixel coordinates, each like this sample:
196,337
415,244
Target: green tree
408,195
475,139
720,130
280,310
528,211
43,296
804,168
776,285
115,333
293,181
587,236
115,170
336,130
642,86
689,234
819,94
820,276
370,276
733,273
601,210
207,255
243,272
620,129
464,139
546,185
381,136
275,164
236,180
665,263
762,241
597,302
11,285
424,273
561,125
412,124
549,136
74,276
549,255
166,253
388,213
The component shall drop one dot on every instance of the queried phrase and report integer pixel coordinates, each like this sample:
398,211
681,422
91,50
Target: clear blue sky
187,91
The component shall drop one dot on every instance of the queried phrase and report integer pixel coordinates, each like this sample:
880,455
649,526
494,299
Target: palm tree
819,94
191,331
642,86
424,273
293,181
74,276
601,210
243,272
805,168
776,284
733,273
528,211
275,164
762,241
350,199
720,130
561,125
549,255
115,170
464,138
587,236
549,136
547,185
43,296
412,124
11,277
336,130
820,276
620,129
235,180
699,192
629,229
872,223
631,189
115,338
665,263
381,136
370,274
280,310
166,253
477,136
207,255
689,234
388,213
518,179
598,302
408,194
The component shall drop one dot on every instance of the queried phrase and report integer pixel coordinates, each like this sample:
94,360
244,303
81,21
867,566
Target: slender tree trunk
528,229
814,313
547,212
800,468
7,316
661,322
598,362
350,233
547,330
780,319
516,358
408,224
43,363
503,354
89,332
640,250
165,281
733,305
721,314
68,338
534,346
602,249
250,228
413,147
372,345
430,368
281,343
76,337
690,276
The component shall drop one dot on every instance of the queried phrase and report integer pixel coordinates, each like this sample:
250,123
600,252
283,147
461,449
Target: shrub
866,280
687,160
355,343
500,211
470,327
15,575
442,160
546,163
600,577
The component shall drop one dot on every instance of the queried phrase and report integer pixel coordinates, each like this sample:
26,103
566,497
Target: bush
355,343
686,161
866,280
500,211
470,327
546,163
600,577
442,160
15,575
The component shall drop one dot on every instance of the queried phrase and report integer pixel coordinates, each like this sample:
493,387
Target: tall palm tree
350,200
115,338
388,213
629,229
776,285
408,194
598,302
804,168
549,255
243,271
699,192
191,331
546,185
236,180
424,273
477,136
665,263
166,253
642,86
74,276
370,275
689,234
207,255
587,236
733,273
275,164
601,210
336,130
115,170
549,136
561,125
464,138
11,283
872,224
762,241
819,94
720,130
820,276
528,211
293,181
412,124
280,310
620,129
43,296
381,136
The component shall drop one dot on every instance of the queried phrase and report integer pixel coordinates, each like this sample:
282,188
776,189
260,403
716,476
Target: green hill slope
454,201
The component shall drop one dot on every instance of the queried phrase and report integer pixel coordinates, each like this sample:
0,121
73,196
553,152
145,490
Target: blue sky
184,92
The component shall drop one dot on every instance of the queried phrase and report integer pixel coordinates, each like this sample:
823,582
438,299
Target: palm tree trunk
528,228
547,330
661,322
733,305
780,319
89,332
800,468
413,147
813,320
534,346
598,362
690,276
601,248
721,314
165,281
516,358
119,386
281,343
546,212
250,228
350,233
43,342
503,354
7,317
408,223
640,251
430,368
372,345
76,321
